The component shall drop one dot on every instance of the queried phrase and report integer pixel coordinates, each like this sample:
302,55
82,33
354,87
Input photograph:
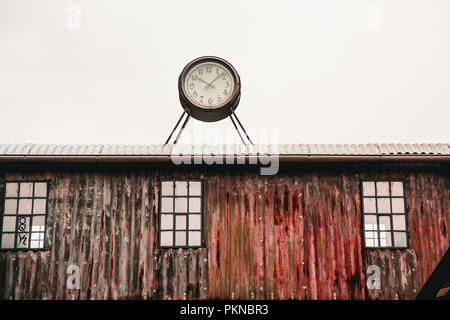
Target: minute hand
215,79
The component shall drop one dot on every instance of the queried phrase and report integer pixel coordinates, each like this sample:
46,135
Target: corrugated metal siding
283,149
294,235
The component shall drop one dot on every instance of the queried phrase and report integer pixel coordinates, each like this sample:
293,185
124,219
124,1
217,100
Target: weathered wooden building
131,222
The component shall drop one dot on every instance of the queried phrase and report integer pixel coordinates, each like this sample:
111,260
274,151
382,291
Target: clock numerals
209,84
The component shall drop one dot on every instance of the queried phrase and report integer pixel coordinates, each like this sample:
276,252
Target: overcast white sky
314,71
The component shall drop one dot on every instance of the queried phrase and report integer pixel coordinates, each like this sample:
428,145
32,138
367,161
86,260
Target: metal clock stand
189,117
210,89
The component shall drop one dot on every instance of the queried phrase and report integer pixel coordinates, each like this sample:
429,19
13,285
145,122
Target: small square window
181,204
26,189
167,188
397,189
12,189
398,205
384,205
195,205
9,224
10,206
180,213
384,215
195,188
166,204
399,222
382,189
369,189
181,188
369,205
24,215
400,239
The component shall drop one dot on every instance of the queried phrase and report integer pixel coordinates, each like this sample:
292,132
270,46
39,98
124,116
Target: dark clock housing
219,112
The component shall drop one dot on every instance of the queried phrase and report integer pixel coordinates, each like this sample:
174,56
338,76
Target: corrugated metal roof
163,150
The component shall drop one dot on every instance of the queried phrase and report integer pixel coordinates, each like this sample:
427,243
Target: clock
209,88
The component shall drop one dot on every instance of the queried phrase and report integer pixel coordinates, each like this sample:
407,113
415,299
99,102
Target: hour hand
208,84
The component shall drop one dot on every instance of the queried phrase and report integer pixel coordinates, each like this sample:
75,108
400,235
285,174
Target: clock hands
215,79
208,84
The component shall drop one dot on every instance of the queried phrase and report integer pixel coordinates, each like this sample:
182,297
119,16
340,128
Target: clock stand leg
239,133
178,122
242,127
182,128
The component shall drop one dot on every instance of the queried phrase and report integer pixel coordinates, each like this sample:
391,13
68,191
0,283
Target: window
24,215
384,216
180,214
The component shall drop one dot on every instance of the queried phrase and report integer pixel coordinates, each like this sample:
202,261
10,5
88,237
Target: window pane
23,224
9,224
167,221
368,189
22,240
11,189
181,204
8,240
371,235
166,204
26,189
371,242
385,239
181,188
180,223
397,189
180,238
37,228
399,222
382,189
195,188
40,189
400,239
194,205
25,206
38,222
166,238
35,244
37,236
195,221
167,188
398,205
369,205
194,238
39,205
370,222
10,206
384,205
385,223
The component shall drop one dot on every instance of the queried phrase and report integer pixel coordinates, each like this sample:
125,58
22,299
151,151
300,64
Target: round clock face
209,84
